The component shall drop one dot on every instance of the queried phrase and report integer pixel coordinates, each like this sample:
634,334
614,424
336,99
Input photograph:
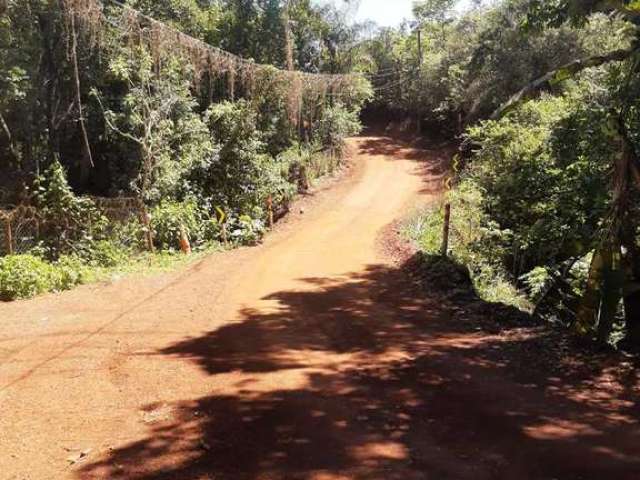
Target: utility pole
419,31
420,45
286,20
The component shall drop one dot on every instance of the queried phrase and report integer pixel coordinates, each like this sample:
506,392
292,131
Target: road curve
84,369
310,357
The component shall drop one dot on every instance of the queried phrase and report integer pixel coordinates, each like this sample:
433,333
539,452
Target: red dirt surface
311,357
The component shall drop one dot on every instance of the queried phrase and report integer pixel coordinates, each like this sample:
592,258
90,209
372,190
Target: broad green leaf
560,76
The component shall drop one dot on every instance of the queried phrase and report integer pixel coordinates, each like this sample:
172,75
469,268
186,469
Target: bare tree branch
12,147
112,126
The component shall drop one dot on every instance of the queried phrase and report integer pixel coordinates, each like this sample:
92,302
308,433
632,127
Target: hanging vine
208,62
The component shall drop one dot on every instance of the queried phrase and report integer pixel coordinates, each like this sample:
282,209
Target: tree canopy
201,107
543,97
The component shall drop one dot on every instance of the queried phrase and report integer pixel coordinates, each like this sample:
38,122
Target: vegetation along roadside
138,144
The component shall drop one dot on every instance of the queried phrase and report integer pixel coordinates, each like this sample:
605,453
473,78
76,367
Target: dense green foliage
145,108
476,242
23,276
88,107
472,64
542,179
546,195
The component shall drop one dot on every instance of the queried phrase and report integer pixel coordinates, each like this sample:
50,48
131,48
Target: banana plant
604,292
613,275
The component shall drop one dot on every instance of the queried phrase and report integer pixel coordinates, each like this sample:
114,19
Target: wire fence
23,227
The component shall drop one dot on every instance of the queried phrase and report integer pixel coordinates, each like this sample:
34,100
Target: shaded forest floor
323,354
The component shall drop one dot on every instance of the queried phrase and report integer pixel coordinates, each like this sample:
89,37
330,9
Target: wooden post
420,60
185,245
225,238
444,251
8,235
146,222
221,218
304,178
270,211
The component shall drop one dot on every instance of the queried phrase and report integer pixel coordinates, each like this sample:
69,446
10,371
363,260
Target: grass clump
474,242
25,276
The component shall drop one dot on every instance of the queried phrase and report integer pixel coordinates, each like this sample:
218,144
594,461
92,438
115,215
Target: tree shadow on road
366,376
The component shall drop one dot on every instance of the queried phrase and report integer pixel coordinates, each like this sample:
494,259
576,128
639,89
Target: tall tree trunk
629,242
632,293
288,35
605,286
88,158
49,82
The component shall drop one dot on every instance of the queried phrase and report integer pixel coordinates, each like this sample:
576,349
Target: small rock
79,457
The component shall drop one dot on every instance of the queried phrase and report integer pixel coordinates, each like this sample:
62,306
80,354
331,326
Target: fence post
444,251
448,186
185,245
8,235
225,238
144,218
270,211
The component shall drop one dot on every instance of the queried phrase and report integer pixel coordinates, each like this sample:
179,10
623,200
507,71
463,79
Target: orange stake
185,246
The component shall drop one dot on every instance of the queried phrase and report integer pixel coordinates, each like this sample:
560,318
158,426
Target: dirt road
310,357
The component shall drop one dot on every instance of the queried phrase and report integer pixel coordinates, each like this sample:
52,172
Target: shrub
475,242
336,124
107,253
274,182
306,163
68,272
246,230
24,276
128,236
532,199
233,182
245,174
168,218
320,164
69,221
540,170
